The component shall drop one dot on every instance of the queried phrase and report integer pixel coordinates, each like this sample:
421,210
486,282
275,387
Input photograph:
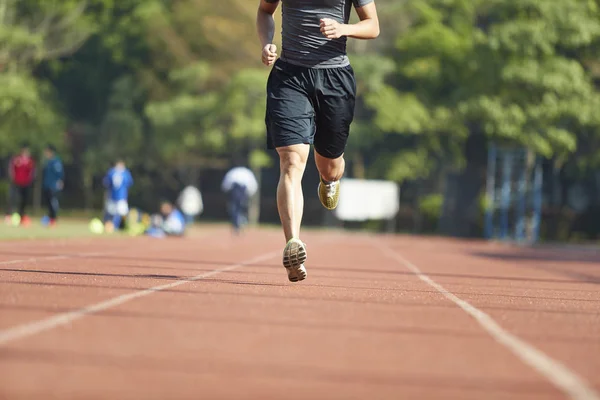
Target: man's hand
269,54
60,185
332,29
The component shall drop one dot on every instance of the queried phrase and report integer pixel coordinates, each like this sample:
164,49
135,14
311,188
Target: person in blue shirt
170,222
52,182
117,182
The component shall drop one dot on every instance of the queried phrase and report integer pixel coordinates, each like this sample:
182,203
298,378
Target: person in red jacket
22,174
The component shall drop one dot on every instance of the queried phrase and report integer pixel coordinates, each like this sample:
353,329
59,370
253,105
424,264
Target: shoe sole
294,256
324,202
297,274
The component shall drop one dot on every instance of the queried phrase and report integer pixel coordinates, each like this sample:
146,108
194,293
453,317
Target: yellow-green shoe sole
329,203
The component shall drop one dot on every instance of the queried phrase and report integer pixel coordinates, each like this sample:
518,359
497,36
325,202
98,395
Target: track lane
357,328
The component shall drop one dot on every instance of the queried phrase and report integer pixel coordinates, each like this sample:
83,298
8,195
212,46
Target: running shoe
329,194
294,256
296,274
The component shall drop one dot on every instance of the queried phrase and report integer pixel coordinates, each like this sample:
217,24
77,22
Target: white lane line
35,327
34,259
57,257
554,371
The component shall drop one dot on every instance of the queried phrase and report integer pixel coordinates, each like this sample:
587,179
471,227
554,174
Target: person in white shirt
240,185
190,203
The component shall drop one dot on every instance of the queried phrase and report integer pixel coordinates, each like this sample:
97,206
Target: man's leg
336,101
52,204
156,232
290,199
22,200
116,221
290,204
24,197
290,124
121,210
243,211
331,171
47,200
12,195
234,212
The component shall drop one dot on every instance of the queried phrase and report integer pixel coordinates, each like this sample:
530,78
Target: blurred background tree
176,88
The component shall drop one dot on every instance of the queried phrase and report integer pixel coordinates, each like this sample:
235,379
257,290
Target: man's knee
332,174
292,160
331,169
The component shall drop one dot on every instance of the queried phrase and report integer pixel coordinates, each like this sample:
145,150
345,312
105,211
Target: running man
22,174
117,181
52,182
311,93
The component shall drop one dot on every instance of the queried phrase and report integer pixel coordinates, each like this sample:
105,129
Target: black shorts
310,106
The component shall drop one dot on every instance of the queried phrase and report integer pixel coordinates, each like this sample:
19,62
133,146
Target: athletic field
212,316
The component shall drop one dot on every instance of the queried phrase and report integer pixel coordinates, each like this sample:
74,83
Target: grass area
76,225
68,213
66,228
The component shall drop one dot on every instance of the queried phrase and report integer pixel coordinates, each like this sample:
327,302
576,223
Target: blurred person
190,203
240,185
117,182
311,94
21,175
106,215
52,182
170,222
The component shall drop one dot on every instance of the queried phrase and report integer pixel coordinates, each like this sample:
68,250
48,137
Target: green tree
182,130
28,112
30,33
120,135
474,71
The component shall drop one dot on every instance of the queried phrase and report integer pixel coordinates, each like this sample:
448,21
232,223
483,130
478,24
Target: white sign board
362,200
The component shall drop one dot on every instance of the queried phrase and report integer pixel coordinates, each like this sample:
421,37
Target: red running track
379,317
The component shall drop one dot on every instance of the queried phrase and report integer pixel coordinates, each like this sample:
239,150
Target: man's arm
265,26
367,28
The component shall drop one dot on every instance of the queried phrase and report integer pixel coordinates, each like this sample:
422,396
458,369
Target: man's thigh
122,208
119,207
23,192
335,112
290,117
13,194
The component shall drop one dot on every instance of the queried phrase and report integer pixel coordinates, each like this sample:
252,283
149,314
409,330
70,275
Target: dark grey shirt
303,42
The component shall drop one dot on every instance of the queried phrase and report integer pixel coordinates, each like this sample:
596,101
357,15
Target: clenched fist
332,29
269,54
